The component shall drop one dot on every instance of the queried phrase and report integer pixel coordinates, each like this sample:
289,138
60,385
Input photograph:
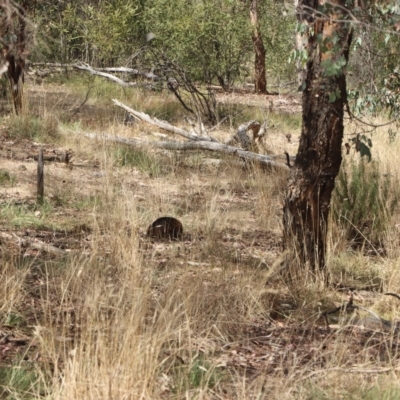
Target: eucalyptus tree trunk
13,32
259,50
312,177
16,68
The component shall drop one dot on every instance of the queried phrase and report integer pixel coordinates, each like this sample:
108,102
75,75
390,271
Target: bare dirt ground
231,217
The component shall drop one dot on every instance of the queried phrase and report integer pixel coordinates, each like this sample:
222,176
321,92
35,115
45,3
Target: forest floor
108,313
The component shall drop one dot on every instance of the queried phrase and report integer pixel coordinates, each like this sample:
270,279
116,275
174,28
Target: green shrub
18,382
364,201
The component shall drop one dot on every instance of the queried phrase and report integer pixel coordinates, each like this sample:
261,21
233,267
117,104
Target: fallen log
246,142
203,142
193,145
34,243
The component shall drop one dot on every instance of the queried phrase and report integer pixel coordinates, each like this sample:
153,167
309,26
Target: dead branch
46,64
84,101
198,145
34,243
202,104
162,124
131,71
124,70
103,74
393,294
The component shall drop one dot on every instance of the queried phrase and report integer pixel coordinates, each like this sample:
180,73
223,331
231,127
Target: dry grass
122,317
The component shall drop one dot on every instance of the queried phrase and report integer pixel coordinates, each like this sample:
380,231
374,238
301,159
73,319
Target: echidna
165,228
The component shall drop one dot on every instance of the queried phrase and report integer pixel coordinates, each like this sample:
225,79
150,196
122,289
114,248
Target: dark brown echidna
166,228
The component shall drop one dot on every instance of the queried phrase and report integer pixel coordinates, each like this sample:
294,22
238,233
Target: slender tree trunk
14,51
312,177
16,77
259,50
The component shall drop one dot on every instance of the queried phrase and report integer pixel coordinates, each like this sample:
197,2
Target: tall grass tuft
364,200
26,126
138,158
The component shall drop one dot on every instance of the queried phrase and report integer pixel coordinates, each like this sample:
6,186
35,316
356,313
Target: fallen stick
34,243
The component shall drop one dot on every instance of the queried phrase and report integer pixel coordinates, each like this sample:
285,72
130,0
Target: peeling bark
312,178
16,68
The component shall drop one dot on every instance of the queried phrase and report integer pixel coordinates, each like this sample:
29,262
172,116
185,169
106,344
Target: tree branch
103,74
199,145
162,124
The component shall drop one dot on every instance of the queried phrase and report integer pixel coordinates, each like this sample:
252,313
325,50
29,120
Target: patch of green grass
200,374
285,121
161,105
19,383
352,393
6,179
33,128
101,90
88,202
65,79
14,319
27,216
60,199
382,394
138,158
316,393
106,90
165,108
279,121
